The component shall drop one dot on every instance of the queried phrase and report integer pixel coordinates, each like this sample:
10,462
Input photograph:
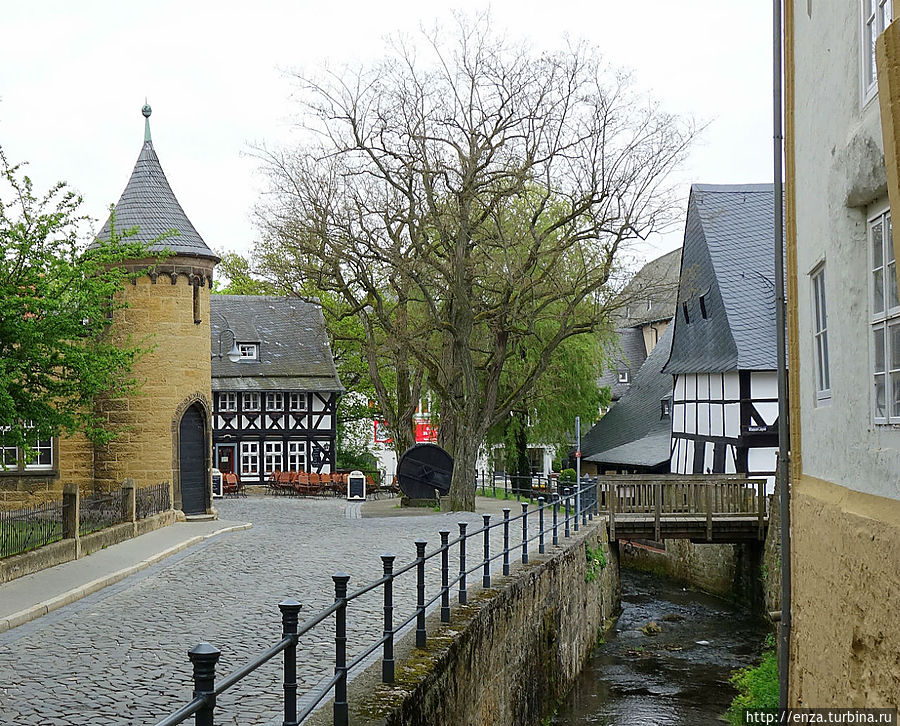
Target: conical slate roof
149,204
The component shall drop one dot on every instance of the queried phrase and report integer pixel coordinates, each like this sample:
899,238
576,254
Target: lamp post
234,355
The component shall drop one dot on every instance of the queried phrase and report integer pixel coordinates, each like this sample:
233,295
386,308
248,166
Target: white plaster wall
839,167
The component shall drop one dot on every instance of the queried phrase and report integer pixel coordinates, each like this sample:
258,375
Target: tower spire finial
146,110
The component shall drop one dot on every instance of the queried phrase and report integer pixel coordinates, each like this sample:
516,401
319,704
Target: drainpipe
784,626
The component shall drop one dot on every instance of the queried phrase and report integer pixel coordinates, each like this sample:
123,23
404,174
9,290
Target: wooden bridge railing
673,496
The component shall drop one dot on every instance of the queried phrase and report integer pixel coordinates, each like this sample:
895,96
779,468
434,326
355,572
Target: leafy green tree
58,292
401,199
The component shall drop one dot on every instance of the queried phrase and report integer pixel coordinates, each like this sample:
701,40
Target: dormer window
703,312
249,351
649,304
684,309
665,407
624,377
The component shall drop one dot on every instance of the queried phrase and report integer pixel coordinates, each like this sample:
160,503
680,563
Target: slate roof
630,355
294,353
149,204
634,432
657,281
728,258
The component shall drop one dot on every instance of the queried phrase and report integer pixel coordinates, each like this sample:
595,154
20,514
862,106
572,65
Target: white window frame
274,402
42,448
885,363
249,351
623,376
297,456
822,373
875,16
227,402
297,402
273,456
250,402
249,458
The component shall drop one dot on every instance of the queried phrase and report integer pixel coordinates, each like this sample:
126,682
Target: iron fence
554,513
100,510
151,500
28,528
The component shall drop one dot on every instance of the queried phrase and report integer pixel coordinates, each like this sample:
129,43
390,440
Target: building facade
723,360
841,157
274,405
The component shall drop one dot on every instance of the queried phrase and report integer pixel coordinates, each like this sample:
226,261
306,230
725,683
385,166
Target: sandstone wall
845,645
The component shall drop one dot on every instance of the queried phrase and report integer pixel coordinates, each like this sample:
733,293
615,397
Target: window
274,401
684,309
885,321
297,455
297,401
877,15
665,407
227,402
273,460
12,458
820,334
623,377
249,351
196,294
703,313
249,457
649,304
250,402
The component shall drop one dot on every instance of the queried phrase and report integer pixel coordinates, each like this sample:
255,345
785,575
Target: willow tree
399,200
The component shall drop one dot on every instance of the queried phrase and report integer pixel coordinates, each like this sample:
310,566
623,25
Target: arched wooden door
192,461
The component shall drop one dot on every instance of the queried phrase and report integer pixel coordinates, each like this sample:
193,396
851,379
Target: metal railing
28,528
495,484
566,512
151,500
101,510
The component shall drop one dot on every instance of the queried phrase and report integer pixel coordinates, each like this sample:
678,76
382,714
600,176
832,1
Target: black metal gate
192,460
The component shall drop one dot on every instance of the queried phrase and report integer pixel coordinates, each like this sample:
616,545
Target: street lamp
234,355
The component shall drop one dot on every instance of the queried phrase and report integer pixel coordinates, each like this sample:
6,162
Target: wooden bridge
717,508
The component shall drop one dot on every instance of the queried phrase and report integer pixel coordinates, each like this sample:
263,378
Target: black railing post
420,593
524,533
290,611
541,525
486,575
445,576
555,510
340,648
204,658
387,656
583,508
506,540
591,502
566,493
462,562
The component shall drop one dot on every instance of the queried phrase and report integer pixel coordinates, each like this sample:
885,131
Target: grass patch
596,562
757,685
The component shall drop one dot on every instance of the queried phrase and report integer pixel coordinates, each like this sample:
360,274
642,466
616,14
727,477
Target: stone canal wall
509,655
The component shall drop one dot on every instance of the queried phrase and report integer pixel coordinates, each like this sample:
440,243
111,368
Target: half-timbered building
723,358
275,387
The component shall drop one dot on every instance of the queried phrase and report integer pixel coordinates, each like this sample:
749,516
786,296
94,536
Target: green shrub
596,561
757,685
567,477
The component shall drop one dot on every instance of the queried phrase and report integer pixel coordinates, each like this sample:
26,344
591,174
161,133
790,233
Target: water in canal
679,676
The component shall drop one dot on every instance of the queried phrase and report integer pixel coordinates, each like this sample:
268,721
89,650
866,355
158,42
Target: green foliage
56,352
567,477
596,562
757,685
241,281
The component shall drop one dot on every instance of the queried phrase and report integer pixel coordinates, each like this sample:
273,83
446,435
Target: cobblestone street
119,657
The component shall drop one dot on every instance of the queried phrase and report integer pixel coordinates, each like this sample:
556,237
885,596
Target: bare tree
467,198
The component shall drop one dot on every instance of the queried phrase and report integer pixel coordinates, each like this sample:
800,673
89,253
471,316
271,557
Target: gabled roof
657,283
629,355
634,432
294,352
728,259
149,204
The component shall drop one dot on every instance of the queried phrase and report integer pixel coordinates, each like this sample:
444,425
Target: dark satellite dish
424,469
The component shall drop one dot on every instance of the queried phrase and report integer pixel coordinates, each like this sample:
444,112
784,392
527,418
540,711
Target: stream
679,676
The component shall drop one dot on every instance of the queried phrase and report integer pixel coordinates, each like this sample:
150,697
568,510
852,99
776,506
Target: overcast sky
73,77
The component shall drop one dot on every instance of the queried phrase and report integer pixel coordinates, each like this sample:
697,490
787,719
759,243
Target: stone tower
167,434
